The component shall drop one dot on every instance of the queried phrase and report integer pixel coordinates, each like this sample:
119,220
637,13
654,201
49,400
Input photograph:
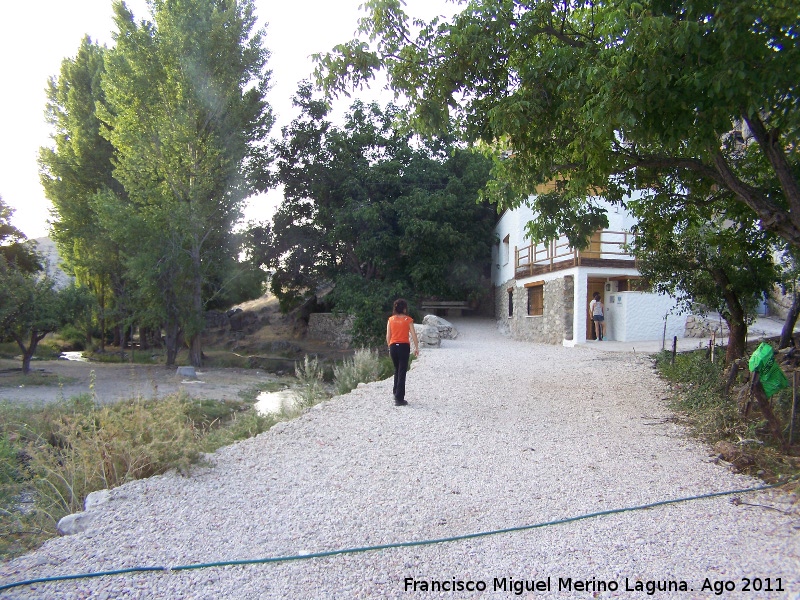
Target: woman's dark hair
400,306
597,294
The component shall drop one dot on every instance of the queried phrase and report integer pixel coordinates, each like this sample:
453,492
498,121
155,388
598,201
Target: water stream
274,402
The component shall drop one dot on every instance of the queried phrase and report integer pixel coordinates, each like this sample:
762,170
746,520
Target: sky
35,36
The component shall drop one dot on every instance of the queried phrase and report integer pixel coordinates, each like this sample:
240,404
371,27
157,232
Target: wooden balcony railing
606,249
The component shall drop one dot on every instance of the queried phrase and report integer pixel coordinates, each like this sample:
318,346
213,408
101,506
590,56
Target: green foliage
157,141
698,387
603,97
364,367
30,308
370,303
59,453
15,249
375,212
721,261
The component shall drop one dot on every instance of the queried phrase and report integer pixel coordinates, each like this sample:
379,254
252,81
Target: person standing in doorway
597,312
399,333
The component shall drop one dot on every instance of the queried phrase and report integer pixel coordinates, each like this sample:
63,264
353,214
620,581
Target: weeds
699,388
311,388
59,453
365,366
56,454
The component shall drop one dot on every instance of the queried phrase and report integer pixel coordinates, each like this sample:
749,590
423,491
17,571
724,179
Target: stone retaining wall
332,328
702,327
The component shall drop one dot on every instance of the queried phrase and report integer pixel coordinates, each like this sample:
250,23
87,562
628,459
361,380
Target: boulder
75,523
443,326
187,372
96,499
428,336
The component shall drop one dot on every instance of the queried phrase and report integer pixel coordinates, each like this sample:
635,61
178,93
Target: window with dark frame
511,302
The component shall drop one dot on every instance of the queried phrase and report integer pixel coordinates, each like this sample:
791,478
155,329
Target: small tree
29,309
720,263
15,248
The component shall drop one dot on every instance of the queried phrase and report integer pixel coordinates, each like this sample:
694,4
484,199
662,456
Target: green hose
455,538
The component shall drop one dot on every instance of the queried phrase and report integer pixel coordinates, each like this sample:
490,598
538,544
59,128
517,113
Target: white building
542,291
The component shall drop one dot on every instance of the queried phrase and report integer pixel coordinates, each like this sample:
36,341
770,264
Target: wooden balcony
606,249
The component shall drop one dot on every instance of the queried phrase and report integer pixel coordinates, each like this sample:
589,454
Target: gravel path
498,434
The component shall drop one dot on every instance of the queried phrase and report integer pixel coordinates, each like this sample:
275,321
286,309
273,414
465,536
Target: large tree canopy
608,96
375,212
158,141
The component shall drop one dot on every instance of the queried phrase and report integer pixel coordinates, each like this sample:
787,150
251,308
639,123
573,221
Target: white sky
35,36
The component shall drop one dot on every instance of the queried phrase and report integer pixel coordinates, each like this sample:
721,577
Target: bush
311,389
699,394
72,338
365,366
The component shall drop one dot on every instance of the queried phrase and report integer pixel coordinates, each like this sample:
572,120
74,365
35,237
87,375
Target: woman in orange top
399,329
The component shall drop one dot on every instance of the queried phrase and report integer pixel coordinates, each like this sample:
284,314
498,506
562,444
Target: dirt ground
264,332
114,382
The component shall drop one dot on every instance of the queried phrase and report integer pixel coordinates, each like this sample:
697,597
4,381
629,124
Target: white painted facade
630,315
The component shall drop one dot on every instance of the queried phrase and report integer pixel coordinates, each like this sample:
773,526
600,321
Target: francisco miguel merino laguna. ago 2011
568,584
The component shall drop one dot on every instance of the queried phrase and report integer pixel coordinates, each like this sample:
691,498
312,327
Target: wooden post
766,410
674,348
664,335
713,344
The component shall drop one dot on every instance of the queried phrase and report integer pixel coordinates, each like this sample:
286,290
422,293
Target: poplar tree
187,117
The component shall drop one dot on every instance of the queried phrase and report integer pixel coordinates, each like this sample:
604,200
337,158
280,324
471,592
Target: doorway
593,285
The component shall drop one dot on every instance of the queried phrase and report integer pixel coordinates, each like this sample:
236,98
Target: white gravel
498,434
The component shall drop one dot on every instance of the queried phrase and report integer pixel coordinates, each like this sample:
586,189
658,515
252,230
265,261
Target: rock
428,336
186,372
236,319
445,328
96,499
75,523
733,454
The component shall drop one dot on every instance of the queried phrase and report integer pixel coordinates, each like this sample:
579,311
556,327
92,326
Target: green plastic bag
770,373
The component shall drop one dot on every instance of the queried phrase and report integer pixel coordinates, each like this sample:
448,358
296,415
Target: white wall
636,316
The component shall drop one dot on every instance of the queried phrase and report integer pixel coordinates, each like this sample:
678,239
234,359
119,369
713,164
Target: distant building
542,291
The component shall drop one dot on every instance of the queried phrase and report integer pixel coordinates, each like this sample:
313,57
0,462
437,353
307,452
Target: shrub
365,366
311,389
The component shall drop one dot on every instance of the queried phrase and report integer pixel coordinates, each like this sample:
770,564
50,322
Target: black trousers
400,354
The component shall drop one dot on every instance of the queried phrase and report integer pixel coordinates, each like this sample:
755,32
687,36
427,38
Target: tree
76,171
376,212
612,96
14,245
187,119
721,261
28,309
789,276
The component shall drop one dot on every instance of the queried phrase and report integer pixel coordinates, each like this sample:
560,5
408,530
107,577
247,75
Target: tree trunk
171,335
736,341
790,322
27,353
196,339
734,317
103,318
196,350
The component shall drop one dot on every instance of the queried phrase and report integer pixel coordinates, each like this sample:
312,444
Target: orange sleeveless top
399,329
